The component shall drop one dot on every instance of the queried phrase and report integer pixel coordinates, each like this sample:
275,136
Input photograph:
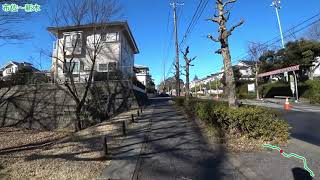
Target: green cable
305,166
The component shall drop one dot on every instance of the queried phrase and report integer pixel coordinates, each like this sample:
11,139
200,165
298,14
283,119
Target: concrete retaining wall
50,106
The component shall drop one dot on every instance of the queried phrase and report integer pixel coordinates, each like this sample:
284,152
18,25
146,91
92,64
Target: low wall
50,106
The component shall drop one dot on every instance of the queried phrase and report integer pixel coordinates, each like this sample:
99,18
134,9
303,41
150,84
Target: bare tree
187,67
75,13
314,32
256,50
9,20
221,18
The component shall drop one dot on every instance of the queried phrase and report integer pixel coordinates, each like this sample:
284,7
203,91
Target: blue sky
151,23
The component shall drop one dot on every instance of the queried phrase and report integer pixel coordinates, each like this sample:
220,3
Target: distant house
13,67
246,69
117,52
206,80
317,67
142,74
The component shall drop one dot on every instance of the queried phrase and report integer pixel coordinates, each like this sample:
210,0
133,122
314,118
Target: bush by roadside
309,89
255,123
242,92
313,91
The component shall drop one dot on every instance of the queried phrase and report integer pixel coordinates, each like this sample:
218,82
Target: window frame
104,70
105,34
73,71
69,44
108,67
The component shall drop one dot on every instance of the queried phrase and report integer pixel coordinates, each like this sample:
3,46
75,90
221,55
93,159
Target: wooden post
124,130
105,146
132,118
141,110
138,113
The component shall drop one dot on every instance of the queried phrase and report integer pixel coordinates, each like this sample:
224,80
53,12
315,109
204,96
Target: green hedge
242,92
255,122
309,89
313,91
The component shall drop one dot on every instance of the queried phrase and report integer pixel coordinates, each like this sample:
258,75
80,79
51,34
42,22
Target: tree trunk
230,82
77,123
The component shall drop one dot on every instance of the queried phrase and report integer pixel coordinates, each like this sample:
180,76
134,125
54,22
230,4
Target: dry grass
28,154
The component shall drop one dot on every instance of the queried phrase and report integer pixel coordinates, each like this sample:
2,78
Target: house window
73,42
103,67
72,67
110,67
109,37
9,71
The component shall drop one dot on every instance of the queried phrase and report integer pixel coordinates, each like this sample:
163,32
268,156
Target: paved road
176,150
305,126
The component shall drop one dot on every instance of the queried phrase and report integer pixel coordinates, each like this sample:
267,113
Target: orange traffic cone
287,104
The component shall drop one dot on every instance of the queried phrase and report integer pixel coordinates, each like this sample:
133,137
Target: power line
195,19
287,34
196,16
191,22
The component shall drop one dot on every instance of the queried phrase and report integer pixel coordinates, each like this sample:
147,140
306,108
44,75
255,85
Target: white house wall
14,69
317,71
109,53
127,55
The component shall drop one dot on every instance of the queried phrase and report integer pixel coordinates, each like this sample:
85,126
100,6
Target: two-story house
111,46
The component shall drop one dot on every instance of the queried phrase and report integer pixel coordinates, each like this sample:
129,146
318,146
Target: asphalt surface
305,126
176,150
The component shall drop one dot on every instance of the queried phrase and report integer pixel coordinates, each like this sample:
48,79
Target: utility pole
164,76
276,5
175,21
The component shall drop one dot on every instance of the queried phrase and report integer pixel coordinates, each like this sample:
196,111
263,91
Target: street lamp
276,5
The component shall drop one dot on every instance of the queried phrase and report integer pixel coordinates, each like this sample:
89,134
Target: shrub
313,91
275,89
242,92
255,122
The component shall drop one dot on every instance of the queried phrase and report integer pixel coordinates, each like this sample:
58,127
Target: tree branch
234,27
216,19
213,38
229,2
219,51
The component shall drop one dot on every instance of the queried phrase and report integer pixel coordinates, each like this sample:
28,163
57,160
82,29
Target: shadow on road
301,174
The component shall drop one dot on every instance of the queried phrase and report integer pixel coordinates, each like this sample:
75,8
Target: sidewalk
166,145
124,157
176,150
